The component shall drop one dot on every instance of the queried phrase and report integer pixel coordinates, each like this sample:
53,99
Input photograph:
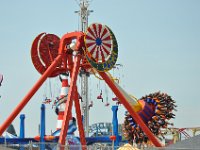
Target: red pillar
123,100
68,108
26,99
79,120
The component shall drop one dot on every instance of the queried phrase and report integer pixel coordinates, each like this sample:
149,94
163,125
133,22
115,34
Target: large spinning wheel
43,52
98,41
161,107
101,47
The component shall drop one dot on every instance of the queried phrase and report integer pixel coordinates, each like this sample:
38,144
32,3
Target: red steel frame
26,99
73,93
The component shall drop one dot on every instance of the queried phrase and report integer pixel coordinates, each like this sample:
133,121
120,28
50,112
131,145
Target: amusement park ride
87,52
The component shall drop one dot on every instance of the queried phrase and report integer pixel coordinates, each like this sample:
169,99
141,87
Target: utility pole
84,13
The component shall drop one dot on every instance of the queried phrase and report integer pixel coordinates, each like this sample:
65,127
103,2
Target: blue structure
72,127
22,129
106,139
22,126
115,126
42,127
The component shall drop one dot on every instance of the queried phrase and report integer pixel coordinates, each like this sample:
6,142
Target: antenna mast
84,13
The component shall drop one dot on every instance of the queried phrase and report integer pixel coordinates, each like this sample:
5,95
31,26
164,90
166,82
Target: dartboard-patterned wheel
98,41
101,47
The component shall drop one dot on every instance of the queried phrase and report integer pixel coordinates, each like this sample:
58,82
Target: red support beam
68,108
26,99
123,100
79,119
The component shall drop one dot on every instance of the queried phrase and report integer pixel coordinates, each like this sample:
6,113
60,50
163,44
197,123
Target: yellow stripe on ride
130,99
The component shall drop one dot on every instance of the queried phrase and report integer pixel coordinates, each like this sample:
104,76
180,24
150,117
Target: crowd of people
163,106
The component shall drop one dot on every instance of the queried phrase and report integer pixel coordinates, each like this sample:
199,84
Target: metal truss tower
84,13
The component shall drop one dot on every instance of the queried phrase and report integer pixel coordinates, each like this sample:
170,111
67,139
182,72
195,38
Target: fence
53,146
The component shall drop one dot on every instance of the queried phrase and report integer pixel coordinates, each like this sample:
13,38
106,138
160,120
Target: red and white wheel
98,41
43,52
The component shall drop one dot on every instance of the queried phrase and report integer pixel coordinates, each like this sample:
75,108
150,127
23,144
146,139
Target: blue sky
158,46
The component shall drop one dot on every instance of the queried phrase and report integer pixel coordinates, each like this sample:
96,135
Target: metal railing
56,146
53,146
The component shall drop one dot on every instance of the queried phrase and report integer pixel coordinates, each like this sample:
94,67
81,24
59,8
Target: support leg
66,117
26,99
123,100
79,119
